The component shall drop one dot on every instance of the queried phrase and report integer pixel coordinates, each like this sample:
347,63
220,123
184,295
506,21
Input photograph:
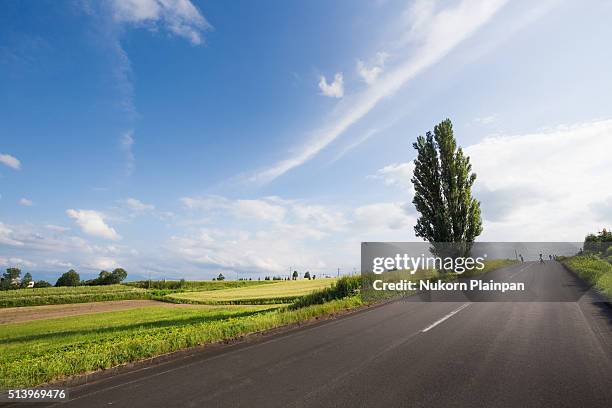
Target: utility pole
338,272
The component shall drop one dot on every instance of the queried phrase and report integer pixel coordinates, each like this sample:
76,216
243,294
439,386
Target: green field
70,294
128,291
276,292
40,351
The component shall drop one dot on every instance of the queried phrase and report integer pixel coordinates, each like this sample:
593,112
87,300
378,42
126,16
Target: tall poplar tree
443,182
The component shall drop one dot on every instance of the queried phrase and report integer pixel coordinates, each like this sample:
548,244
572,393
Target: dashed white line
451,314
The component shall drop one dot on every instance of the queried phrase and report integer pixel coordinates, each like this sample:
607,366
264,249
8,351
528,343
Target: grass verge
593,270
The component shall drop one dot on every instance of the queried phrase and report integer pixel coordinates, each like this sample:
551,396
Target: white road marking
451,314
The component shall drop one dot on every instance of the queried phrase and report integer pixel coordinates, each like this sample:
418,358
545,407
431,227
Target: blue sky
181,139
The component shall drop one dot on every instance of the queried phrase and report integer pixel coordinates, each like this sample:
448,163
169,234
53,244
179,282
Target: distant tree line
11,279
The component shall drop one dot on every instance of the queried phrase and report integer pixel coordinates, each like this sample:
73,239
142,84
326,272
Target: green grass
593,270
63,295
36,352
276,292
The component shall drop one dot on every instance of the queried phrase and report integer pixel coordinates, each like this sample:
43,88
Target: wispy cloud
10,161
26,202
438,34
179,17
334,89
370,73
137,205
126,142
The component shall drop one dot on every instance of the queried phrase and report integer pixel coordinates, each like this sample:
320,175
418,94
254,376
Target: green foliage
108,278
220,277
594,270
70,278
27,278
599,244
307,275
295,275
443,182
42,284
10,278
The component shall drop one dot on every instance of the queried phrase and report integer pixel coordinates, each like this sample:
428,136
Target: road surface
547,353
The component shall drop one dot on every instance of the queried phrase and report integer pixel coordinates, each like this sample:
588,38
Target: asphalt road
537,353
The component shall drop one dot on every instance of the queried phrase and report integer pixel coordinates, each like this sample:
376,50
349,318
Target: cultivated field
27,313
276,292
39,351
69,294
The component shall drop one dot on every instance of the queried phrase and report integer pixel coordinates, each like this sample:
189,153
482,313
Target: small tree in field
220,277
307,275
443,182
295,275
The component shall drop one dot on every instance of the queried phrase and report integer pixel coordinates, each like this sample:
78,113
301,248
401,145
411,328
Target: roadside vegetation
594,262
593,270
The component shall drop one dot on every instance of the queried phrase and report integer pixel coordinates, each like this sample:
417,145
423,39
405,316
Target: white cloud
59,263
7,236
546,185
382,217
262,209
10,161
92,223
486,120
16,262
396,174
103,263
180,17
137,205
440,33
26,202
369,75
333,90
56,228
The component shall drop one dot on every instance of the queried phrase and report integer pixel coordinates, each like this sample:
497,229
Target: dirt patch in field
24,314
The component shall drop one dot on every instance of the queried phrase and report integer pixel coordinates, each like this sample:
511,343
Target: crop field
40,351
196,284
275,292
70,294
